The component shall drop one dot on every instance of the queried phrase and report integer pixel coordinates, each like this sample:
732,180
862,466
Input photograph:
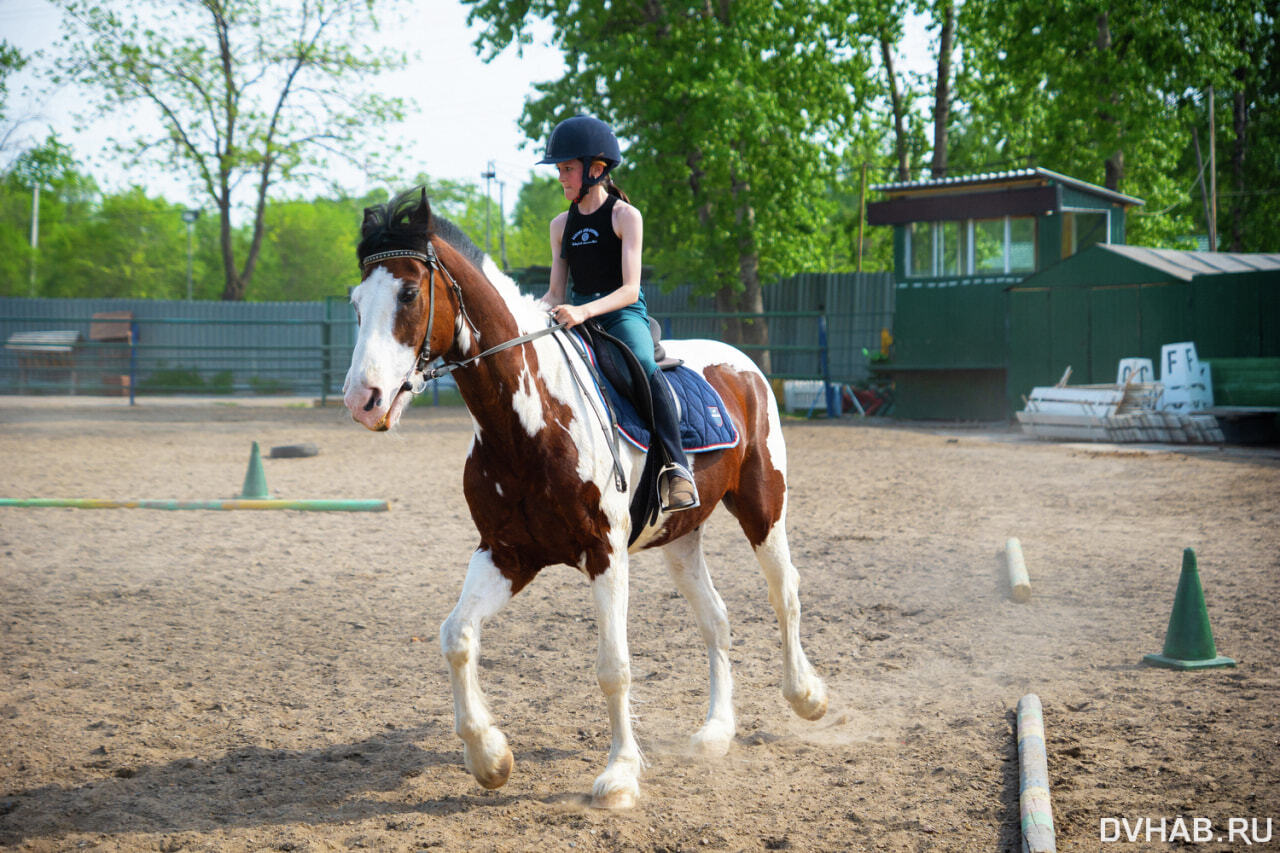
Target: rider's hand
570,315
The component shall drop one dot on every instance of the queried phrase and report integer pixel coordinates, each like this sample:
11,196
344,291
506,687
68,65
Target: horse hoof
712,740
494,775
500,774
614,800
615,788
811,705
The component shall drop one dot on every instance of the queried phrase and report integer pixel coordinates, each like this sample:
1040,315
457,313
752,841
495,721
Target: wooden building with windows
959,244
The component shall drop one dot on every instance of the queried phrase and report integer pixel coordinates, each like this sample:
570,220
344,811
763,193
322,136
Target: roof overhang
987,204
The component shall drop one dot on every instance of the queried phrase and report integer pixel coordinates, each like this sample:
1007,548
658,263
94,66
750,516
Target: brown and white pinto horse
539,479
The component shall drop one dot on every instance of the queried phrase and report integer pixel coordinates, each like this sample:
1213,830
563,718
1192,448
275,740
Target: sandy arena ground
235,681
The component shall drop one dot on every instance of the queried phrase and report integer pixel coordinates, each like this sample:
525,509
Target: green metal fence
133,347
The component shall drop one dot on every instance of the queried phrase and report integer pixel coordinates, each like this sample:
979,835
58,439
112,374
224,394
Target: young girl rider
598,242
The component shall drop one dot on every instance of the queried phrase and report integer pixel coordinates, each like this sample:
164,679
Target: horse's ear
370,220
421,215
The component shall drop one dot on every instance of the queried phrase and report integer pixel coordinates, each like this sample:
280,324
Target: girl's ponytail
613,189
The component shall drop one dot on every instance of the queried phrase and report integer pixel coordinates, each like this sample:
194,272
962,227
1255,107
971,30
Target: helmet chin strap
587,181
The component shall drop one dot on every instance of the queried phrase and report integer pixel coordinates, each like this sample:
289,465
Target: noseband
422,373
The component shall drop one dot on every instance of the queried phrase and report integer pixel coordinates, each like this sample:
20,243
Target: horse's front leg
484,592
618,786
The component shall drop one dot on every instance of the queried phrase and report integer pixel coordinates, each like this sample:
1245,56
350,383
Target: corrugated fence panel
184,346
857,307
305,347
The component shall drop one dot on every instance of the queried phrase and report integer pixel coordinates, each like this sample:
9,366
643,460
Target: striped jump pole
1033,779
233,503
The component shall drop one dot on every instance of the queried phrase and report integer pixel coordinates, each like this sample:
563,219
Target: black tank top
593,250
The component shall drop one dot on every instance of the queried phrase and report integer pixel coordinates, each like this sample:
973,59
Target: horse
544,483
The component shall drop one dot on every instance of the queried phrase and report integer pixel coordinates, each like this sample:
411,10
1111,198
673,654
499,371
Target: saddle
704,422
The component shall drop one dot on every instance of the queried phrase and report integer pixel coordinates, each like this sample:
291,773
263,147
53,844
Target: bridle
422,373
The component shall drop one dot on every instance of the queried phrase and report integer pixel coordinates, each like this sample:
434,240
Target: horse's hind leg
800,684
762,513
484,592
688,570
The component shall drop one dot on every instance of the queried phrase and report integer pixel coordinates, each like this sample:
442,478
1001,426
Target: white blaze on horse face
379,362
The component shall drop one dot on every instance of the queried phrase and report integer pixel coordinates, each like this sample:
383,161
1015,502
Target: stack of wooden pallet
1121,413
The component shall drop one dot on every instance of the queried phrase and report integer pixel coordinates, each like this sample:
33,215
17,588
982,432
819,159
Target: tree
942,89
11,60
42,188
1101,91
733,111
310,249
528,242
250,95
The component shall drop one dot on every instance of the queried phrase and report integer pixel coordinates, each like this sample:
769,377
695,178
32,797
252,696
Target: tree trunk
1238,152
942,94
233,284
1115,163
899,111
755,330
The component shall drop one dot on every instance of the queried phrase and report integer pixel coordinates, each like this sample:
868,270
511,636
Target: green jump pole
236,503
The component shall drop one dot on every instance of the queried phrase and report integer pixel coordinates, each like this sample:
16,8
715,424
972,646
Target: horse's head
404,307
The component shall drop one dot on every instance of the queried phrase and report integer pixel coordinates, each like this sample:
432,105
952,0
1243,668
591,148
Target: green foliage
11,60
250,95
528,239
309,250
1109,93
185,380
732,111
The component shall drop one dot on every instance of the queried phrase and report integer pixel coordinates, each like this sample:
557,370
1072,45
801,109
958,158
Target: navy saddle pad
704,423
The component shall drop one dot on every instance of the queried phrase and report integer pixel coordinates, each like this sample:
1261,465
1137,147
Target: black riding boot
676,489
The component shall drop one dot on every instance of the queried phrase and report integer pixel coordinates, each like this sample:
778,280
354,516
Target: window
988,246
947,241
1083,228
1022,244
920,249
971,247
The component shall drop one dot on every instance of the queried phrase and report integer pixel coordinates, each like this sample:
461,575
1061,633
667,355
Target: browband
428,258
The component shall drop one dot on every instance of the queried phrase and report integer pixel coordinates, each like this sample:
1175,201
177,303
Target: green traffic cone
255,482
1188,643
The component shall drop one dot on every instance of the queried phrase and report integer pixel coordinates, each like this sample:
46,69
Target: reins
422,373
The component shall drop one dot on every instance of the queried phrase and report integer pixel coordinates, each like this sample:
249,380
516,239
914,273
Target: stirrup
685,498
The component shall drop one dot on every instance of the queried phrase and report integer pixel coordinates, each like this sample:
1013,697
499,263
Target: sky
453,88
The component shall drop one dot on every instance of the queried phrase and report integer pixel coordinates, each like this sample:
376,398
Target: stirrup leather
685,498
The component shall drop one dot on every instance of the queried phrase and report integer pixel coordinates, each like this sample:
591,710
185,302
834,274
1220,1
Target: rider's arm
559,267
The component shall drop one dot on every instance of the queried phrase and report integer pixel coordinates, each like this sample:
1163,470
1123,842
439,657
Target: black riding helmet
587,139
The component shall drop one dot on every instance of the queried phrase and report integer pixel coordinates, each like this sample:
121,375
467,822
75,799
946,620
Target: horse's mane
393,226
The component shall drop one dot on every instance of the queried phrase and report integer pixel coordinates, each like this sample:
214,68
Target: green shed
1112,302
959,244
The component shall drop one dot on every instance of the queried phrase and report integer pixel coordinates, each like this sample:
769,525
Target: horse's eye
408,295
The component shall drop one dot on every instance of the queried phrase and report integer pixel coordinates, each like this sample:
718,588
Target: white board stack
1133,409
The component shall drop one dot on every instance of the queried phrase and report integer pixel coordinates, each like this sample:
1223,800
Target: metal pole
35,234
502,223
189,216
133,362
862,212
824,366
1213,178
488,176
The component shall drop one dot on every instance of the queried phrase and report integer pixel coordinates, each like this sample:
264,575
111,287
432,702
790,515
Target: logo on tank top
585,237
